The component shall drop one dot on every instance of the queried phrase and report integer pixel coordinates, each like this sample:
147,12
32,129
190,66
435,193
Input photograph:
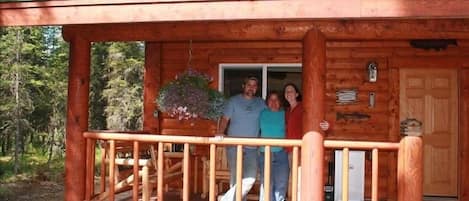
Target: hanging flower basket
189,96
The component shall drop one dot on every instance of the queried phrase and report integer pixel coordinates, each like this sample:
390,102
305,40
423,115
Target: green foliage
98,81
33,67
217,101
35,166
124,89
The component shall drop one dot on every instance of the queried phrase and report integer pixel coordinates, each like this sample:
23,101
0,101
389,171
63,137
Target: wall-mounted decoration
346,96
372,99
372,69
412,127
352,116
436,44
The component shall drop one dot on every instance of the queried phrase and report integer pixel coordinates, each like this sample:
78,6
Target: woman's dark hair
273,92
298,98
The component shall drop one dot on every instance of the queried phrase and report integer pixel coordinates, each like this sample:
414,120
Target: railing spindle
102,188
374,175
294,171
267,163
213,149
145,184
112,166
196,175
239,172
345,173
185,185
160,172
90,148
136,169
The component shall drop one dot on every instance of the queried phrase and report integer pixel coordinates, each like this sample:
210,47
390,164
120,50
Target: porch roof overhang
248,30
130,11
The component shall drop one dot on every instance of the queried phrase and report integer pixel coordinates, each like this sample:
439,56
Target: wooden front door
431,96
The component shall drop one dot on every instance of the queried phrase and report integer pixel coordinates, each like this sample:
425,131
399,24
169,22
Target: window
271,77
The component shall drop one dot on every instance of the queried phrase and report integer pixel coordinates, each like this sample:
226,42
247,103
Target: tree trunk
51,141
51,147
8,143
4,145
17,101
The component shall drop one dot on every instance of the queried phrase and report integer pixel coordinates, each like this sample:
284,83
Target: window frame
263,66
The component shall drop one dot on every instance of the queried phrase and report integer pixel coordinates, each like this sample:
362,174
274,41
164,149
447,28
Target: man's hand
324,125
218,137
222,125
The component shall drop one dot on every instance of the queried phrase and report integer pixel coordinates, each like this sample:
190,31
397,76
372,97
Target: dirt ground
53,191
32,191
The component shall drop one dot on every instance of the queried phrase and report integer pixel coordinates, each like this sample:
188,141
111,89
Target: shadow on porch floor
168,196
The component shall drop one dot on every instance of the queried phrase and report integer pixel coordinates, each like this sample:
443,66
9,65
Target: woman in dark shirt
294,113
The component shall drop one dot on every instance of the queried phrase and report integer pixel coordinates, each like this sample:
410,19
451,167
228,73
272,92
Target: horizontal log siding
346,62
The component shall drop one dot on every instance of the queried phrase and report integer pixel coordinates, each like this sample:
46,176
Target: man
241,117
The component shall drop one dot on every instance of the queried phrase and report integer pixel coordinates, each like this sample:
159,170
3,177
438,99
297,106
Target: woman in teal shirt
272,124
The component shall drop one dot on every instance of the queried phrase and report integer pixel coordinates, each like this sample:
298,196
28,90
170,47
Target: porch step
435,198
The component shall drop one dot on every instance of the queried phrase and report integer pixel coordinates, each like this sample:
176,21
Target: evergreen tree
33,67
17,54
123,93
98,81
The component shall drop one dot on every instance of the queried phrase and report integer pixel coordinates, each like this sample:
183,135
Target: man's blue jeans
249,171
280,172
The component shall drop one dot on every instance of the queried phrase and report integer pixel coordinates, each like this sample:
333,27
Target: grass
33,169
33,166
97,157
4,191
36,180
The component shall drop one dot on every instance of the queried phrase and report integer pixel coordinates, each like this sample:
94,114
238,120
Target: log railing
410,168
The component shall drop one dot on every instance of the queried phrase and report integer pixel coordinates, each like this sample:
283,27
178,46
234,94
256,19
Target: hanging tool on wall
352,116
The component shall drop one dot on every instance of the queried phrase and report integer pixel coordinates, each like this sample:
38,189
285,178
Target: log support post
314,82
410,169
77,119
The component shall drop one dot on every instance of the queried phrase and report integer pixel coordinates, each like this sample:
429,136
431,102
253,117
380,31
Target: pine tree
124,92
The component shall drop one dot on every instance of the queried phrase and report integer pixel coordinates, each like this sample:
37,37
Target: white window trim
263,66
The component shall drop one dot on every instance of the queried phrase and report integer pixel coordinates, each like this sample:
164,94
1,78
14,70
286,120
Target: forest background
33,93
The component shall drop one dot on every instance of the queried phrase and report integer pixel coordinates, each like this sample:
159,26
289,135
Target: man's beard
250,93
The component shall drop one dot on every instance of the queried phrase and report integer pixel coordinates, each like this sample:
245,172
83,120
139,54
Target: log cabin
420,50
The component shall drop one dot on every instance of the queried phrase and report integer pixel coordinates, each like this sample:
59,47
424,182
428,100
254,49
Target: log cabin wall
206,57
346,61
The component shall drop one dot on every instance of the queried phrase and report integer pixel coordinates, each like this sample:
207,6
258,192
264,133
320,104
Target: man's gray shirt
244,116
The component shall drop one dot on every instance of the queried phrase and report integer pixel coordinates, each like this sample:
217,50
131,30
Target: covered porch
328,39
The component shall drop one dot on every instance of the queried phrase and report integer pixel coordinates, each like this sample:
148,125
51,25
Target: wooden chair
147,162
222,175
222,172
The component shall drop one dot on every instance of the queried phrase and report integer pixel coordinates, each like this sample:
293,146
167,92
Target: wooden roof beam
126,11
273,30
